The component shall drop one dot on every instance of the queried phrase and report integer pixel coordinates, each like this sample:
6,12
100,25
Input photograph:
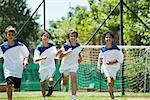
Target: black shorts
14,80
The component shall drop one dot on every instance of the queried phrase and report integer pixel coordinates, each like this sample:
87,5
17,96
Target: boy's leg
49,76
74,84
50,83
9,91
43,88
10,82
64,82
110,82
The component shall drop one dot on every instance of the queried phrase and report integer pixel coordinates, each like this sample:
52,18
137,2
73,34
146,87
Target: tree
15,13
135,32
87,21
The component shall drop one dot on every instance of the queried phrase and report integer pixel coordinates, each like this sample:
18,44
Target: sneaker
44,98
50,91
73,97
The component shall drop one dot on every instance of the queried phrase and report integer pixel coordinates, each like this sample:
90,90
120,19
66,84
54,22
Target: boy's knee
65,82
109,84
43,84
50,81
9,85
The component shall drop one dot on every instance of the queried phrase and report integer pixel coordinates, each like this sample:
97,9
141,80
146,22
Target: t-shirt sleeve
1,53
25,51
120,56
80,48
62,48
54,51
36,54
100,54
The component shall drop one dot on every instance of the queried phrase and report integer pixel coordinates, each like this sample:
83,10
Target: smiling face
45,37
73,38
10,33
10,36
109,39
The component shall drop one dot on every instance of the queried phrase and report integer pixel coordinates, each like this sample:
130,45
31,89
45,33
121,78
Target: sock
49,85
63,88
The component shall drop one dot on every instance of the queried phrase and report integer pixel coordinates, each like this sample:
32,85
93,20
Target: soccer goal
136,70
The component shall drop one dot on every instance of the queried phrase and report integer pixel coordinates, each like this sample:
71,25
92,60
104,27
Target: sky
55,9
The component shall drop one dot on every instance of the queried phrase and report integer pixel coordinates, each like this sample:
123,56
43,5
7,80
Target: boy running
15,55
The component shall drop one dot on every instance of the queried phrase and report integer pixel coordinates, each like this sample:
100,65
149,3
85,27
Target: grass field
80,96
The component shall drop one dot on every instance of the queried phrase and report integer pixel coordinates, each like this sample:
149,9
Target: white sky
55,9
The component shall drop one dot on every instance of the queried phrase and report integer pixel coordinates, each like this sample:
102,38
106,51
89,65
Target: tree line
16,12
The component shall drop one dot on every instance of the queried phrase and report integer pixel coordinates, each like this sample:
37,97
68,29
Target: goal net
136,70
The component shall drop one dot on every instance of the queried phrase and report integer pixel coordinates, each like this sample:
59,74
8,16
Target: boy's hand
79,60
37,59
111,62
44,57
59,52
69,50
98,66
25,62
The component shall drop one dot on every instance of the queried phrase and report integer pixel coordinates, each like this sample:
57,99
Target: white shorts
68,70
47,73
111,72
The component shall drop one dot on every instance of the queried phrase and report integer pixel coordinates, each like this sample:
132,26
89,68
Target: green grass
80,96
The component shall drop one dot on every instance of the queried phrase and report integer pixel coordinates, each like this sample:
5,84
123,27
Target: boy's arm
65,53
59,53
1,53
25,62
99,62
118,60
37,59
37,56
25,52
111,62
79,58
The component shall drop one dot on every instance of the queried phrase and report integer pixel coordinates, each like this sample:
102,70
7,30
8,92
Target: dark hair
10,29
72,31
108,32
45,31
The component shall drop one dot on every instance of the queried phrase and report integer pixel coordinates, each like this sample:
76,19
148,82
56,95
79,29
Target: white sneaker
44,98
73,97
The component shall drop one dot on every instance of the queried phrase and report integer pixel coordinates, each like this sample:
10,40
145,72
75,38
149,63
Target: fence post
121,41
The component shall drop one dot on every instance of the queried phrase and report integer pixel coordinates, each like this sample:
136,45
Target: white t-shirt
111,54
50,52
71,59
13,58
